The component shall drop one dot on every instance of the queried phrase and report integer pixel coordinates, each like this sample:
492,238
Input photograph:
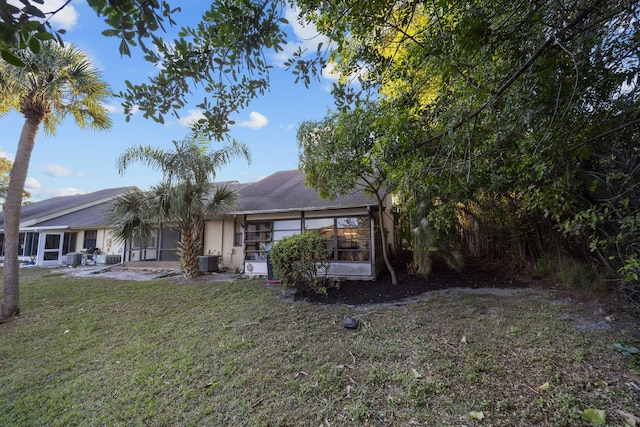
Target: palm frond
130,217
222,199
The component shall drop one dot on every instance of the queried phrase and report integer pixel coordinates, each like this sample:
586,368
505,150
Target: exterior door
50,249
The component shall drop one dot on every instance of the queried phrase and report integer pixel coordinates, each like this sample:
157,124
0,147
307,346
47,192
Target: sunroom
280,205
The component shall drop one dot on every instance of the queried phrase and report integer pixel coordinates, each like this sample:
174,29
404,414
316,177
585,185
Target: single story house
281,205
268,210
53,228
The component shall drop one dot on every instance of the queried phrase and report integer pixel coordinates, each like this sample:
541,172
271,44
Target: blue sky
80,161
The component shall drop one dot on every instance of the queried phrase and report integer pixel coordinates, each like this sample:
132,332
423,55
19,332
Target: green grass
96,352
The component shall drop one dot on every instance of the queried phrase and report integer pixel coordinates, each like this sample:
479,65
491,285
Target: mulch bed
381,290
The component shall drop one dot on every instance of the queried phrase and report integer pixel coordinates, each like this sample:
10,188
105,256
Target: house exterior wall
219,237
104,242
219,240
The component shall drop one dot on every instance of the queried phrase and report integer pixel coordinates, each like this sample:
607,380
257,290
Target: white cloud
112,108
58,170
189,119
256,121
6,155
65,18
304,31
38,193
305,36
31,184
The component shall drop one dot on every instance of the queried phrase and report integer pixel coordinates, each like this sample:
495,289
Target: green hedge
301,262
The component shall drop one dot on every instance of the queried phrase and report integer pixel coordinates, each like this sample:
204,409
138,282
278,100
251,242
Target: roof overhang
38,229
314,209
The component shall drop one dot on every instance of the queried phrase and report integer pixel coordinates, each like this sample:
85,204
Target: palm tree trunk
189,252
13,205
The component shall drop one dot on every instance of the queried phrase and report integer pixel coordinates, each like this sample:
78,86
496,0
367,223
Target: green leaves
12,59
595,417
301,261
508,134
223,54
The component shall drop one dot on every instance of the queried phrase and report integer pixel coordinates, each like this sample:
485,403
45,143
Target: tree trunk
383,236
189,252
13,205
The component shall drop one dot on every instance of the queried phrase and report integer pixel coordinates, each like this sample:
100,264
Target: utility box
74,259
107,259
208,263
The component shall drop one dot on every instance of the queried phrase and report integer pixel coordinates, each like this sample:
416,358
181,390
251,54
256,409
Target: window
90,239
257,238
348,238
29,246
237,233
148,243
69,243
353,239
285,228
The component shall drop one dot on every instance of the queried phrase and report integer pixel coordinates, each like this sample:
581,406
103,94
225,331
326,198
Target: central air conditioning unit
208,263
74,259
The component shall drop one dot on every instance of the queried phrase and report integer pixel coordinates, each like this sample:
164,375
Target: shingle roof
286,191
281,192
91,217
89,207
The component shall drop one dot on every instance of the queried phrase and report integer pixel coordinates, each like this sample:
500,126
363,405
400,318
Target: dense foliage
338,155
301,261
513,126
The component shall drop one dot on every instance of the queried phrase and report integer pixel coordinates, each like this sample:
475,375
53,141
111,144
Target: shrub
301,261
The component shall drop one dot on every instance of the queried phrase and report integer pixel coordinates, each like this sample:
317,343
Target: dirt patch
140,274
587,312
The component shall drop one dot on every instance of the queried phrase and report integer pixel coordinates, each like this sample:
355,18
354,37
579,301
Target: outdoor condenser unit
208,263
74,258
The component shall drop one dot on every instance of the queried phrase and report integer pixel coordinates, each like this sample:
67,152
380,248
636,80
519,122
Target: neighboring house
280,205
268,210
52,228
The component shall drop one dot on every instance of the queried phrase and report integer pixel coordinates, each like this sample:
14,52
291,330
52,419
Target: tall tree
341,153
53,84
183,198
526,116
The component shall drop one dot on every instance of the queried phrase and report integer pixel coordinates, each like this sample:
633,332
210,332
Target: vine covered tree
53,84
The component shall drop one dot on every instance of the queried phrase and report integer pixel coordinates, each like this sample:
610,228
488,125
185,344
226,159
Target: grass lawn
99,351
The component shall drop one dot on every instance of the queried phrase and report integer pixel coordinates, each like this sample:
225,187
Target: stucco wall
104,242
218,240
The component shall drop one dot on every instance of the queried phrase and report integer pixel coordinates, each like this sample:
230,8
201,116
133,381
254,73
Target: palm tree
181,201
56,82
